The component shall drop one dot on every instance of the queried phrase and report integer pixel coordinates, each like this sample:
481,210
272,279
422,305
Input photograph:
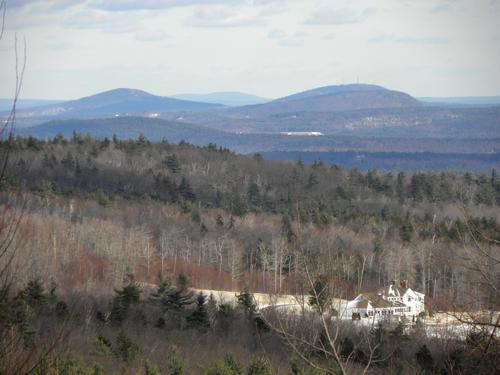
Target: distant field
264,299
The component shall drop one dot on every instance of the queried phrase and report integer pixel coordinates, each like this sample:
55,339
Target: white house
397,300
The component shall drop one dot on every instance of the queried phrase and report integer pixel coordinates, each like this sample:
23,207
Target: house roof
376,301
393,290
380,303
361,304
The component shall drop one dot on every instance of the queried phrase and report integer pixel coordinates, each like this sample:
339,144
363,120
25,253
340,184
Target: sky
270,48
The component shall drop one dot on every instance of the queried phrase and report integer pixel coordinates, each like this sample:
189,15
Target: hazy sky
266,47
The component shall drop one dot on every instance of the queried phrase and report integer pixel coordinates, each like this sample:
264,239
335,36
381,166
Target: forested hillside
102,214
212,190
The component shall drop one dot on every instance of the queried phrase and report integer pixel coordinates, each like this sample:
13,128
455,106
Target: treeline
216,177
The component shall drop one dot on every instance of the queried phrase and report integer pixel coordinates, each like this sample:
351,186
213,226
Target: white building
397,300
314,134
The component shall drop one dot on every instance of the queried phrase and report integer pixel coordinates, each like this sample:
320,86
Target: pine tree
163,289
105,143
179,297
126,349
424,359
312,181
406,230
258,366
254,194
227,366
175,362
300,162
46,161
172,163
185,190
102,346
142,140
246,301
150,368
219,221
68,161
34,294
287,229
320,294
199,317
124,298
346,348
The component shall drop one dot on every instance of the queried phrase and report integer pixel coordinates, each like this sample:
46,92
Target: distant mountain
355,110
6,104
464,100
332,90
118,101
127,127
333,99
232,99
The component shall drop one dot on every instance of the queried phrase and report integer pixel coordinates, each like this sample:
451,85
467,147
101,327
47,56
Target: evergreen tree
219,221
124,298
346,348
150,368
258,157
163,289
227,366
175,362
142,140
68,161
312,181
34,294
102,346
300,162
320,294
176,299
424,359
406,230
258,366
287,229
172,163
46,161
185,190
105,143
126,349
254,194
199,317
247,302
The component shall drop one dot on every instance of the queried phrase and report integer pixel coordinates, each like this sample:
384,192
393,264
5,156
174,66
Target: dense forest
237,212
114,237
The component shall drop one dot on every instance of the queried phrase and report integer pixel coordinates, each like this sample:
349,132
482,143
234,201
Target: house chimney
405,284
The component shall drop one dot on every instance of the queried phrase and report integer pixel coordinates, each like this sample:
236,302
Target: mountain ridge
331,89
115,101
334,98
